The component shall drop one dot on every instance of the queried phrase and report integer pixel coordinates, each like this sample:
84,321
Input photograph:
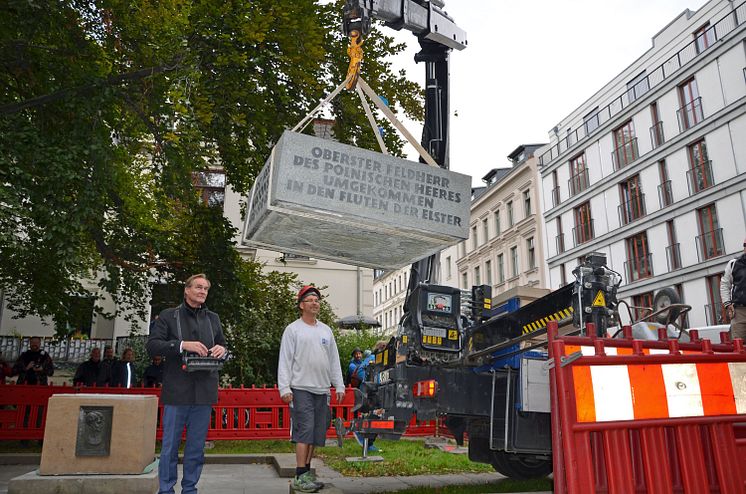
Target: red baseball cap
308,290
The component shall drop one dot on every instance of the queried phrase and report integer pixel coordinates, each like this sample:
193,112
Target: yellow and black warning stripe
542,323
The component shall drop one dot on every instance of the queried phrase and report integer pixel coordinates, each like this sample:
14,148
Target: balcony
673,257
632,210
665,194
690,114
625,154
583,233
699,177
639,268
559,240
656,134
555,197
710,244
578,183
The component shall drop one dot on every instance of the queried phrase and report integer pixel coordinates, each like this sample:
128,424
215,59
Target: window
578,175
631,200
591,121
500,269
690,113
637,86
583,231
448,267
510,214
488,272
563,275
498,229
704,37
625,145
700,168
464,281
485,230
560,240
474,242
638,258
211,187
665,193
713,308
531,253
527,203
656,131
477,276
514,267
710,239
673,252
643,304
555,190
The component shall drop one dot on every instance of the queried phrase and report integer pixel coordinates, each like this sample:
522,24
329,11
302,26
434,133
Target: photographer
187,396
34,365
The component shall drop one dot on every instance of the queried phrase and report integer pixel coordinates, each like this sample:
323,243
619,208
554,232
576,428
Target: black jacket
87,373
181,387
119,375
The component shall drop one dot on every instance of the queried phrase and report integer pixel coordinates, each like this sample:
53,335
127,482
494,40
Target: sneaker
313,478
305,484
373,449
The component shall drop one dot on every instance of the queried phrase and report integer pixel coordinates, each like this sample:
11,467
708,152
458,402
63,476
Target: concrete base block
284,464
146,483
364,459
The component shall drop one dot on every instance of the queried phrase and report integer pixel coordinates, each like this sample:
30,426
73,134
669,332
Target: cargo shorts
310,416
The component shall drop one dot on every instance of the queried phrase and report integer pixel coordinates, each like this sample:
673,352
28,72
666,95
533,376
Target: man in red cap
308,365
733,294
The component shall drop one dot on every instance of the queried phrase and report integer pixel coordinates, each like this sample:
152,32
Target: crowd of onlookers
35,366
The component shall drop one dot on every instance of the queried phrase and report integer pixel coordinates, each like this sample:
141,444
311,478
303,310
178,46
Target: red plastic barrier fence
241,413
632,416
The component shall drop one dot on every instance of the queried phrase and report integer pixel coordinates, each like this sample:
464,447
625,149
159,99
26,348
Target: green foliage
108,107
349,339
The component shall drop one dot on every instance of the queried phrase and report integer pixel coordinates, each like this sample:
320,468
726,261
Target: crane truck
455,357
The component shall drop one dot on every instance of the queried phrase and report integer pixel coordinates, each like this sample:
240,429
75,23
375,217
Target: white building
505,248
650,170
389,294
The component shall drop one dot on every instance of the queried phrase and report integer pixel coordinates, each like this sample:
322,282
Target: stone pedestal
75,436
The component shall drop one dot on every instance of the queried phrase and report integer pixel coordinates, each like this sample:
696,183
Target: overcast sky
530,63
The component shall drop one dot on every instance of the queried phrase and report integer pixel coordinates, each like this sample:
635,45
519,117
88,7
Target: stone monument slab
99,434
320,198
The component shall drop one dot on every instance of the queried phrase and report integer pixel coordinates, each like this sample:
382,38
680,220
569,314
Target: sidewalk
244,475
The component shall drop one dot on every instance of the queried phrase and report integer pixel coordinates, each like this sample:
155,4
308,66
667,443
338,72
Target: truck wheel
664,298
520,467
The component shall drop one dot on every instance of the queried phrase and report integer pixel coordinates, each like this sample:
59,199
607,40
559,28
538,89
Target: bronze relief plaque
94,431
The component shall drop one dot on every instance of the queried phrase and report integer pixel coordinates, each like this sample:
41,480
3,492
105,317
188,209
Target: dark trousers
196,419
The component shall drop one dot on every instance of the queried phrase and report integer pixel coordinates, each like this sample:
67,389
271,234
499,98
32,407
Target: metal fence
72,351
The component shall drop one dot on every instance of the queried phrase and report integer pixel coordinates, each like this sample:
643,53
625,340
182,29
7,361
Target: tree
108,107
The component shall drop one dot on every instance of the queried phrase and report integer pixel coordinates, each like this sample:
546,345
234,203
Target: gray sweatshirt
309,359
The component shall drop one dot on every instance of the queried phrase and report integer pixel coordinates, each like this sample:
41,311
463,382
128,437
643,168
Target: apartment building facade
651,170
505,248
389,294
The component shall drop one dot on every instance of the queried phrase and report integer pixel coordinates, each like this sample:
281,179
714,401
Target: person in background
358,375
6,370
106,370
308,365
34,366
153,376
124,374
733,294
87,373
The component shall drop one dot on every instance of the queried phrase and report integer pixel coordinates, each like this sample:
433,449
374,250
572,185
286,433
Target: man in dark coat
123,374
87,373
34,365
187,396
